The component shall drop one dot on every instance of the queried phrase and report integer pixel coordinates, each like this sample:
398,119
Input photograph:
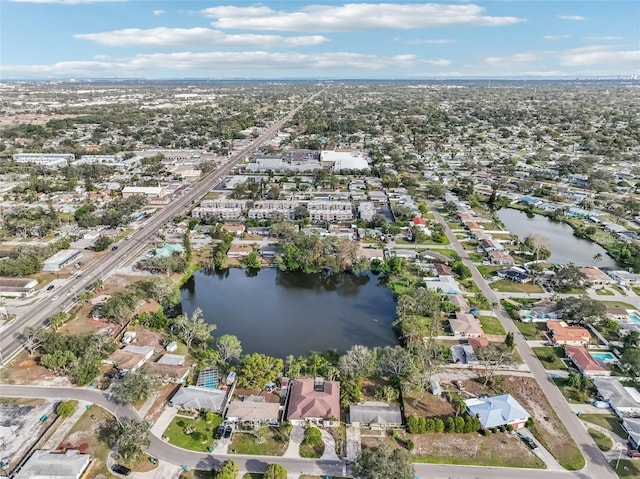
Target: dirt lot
20,426
162,394
501,449
424,404
548,429
25,370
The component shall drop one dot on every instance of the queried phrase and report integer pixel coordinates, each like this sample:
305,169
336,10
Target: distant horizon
337,39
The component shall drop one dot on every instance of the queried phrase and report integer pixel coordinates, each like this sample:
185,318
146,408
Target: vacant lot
608,421
627,468
548,428
491,325
550,357
508,286
534,331
424,404
192,433
268,441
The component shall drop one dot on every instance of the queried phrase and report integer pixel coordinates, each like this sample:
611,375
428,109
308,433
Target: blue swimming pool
635,318
603,357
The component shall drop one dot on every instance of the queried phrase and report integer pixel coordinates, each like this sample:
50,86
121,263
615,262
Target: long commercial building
50,160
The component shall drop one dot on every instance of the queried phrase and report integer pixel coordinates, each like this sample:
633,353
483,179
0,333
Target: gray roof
46,464
375,413
194,397
172,359
615,393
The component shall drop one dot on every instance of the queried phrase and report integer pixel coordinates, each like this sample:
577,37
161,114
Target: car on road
227,432
55,297
219,433
50,287
113,248
120,469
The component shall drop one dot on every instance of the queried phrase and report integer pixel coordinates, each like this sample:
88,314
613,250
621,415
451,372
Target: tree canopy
383,462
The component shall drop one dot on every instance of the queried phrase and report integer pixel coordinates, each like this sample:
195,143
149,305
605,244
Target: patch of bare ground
24,369
548,428
424,404
500,449
162,395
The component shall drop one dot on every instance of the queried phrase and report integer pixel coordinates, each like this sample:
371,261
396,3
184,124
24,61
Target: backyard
267,441
195,434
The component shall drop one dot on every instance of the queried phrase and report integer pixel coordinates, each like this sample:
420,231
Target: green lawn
199,439
574,291
570,393
252,475
470,285
603,441
508,286
604,292
487,271
531,330
636,290
618,304
446,252
627,468
550,357
270,441
491,325
608,421
311,452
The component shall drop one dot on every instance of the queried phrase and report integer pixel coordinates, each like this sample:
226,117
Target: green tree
510,341
228,470
568,277
57,359
132,438
192,328
186,243
136,386
581,310
275,471
358,361
258,369
57,320
312,436
229,347
102,243
65,409
252,260
383,462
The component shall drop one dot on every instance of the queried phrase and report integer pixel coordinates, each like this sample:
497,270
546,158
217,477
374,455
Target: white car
55,297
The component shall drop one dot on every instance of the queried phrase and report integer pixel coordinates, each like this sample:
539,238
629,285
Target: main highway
203,461
38,314
597,465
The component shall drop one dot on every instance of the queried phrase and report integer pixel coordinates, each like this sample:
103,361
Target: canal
280,313
565,247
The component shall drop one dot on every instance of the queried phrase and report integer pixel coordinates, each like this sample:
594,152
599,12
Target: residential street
195,460
597,466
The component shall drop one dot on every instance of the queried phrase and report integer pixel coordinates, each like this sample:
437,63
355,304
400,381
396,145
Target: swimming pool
603,357
634,317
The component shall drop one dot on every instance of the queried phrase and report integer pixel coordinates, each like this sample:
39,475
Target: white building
60,260
344,160
366,210
50,160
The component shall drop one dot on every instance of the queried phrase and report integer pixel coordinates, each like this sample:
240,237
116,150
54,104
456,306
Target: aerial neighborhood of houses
510,253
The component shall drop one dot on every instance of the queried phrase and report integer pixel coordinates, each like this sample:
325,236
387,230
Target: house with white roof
625,401
497,411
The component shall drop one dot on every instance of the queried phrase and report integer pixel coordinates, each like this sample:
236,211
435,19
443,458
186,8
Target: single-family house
632,426
130,358
443,269
514,274
196,398
596,276
376,415
541,311
500,257
497,411
53,464
465,325
167,372
561,333
459,301
444,284
585,363
463,354
239,250
234,229
253,410
625,401
314,400
616,312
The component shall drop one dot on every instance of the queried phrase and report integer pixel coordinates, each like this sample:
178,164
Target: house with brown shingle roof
314,400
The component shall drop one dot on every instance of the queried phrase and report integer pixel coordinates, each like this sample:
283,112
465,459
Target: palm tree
597,258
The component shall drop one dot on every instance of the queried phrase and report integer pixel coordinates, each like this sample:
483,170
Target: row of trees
458,424
28,260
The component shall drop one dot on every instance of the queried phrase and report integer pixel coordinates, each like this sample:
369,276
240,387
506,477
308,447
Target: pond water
565,248
278,313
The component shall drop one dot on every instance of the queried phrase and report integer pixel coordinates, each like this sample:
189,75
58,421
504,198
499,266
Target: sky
64,39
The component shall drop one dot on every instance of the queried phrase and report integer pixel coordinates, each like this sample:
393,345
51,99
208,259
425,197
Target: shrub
409,445
312,436
65,409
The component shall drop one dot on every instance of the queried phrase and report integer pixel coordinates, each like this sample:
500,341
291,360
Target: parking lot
20,426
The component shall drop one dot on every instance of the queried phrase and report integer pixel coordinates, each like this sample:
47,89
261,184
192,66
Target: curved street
196,460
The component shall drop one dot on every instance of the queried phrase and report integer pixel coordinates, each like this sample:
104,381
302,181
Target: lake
280,313
565,247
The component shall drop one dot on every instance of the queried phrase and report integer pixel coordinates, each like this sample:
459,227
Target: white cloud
157,13
556,37
511,59
354,17
66,2
195,38
574,18
226,64
600,55
605,38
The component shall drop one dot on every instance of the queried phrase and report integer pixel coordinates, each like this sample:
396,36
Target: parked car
227,432
528,441
219,433
120,469
633,453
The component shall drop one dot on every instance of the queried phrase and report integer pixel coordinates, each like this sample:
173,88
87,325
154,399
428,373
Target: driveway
353,442
543,453
295,439
329,453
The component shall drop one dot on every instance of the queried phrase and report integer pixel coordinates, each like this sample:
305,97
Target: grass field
531,330
608,421
199,439
627,468
270,441
603,441
618,304
491,325
508,286
550,357
604,292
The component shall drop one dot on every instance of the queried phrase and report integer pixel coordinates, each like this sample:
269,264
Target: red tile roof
305,401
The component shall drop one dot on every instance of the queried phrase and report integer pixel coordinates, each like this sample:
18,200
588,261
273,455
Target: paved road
38,314
195,460
597,466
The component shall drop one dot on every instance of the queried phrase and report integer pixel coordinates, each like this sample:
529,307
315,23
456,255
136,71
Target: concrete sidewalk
65,427
164,420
